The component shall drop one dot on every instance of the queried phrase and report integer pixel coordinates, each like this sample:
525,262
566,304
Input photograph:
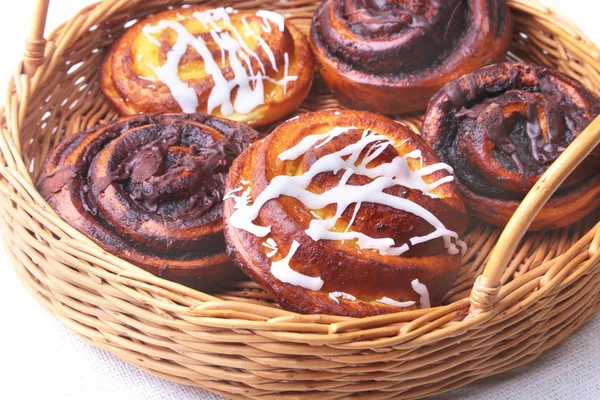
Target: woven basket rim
546,12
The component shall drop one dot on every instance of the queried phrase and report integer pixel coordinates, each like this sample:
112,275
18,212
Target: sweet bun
501,127
347,213
149,189
392,56
248,66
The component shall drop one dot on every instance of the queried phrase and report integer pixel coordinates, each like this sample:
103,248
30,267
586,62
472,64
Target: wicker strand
595,244
528,209
483,296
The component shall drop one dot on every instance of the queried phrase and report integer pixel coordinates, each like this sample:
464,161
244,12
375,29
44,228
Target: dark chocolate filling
418,33
167,168
524,142
557,109
152,178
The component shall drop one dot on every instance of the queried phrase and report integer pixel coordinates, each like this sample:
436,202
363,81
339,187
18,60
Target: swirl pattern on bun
392,56
347,213
149,189
248,66
501,127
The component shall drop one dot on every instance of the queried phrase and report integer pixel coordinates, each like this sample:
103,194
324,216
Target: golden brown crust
501,127
129,81
558,212
343,266
392,58
148,189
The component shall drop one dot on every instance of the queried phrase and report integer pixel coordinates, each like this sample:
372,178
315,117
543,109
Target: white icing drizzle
421,290
386,175
249,83
463,247
344,296
270,16
417,286
147,78
307,142
271,244
286,77
209,17
401,144
262,43
392,302
148,30
240,201
282,271
286,68
231,193
219,42
168,73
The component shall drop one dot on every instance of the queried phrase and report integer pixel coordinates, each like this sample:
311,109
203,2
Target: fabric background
41,359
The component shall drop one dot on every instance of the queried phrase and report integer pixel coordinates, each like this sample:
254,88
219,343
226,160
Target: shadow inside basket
72,101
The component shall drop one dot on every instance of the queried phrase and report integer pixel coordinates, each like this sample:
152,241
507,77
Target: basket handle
487,286
35,45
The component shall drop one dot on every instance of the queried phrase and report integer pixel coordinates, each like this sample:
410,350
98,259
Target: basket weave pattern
237,342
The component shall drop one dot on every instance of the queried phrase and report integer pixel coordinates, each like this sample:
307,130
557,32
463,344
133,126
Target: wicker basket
514,298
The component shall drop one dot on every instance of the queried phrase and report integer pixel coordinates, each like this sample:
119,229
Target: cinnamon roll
149,189
347,213
392,56
248,66
501,127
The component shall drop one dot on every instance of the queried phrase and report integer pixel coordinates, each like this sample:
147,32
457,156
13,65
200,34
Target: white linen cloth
41,359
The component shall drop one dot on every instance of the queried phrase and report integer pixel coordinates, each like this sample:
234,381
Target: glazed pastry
501,127
347,213
248,66
149,190
392,56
